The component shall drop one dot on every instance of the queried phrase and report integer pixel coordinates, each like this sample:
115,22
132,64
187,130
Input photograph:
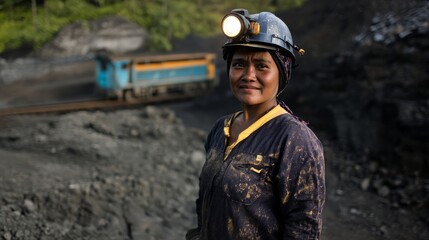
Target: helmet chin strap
280,92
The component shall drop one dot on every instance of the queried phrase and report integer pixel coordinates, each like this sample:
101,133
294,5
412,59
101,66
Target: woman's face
254,77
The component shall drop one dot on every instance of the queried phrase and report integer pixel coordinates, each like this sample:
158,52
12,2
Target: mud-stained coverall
269,184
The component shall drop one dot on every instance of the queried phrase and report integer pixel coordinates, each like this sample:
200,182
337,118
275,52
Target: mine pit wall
374,97
54,68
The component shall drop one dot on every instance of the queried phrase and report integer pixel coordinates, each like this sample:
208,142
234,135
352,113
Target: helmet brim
251,45
255,45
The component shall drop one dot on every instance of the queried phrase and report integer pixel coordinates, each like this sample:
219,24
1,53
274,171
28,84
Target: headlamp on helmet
237,24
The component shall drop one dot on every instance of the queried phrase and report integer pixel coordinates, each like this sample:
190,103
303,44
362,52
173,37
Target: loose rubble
119,175
391,27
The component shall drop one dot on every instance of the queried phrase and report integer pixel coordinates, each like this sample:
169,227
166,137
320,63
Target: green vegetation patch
35,22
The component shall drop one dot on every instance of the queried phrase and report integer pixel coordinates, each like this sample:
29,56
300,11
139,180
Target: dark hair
284,64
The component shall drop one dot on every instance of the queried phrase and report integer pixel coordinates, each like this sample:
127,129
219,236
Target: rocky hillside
75,43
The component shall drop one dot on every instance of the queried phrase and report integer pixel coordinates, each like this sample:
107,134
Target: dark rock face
394,82
113,33
375,96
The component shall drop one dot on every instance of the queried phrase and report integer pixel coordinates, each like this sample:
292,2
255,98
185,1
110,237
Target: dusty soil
133,173
98,175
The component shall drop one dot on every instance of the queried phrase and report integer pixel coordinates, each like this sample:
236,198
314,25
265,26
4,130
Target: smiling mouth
248,87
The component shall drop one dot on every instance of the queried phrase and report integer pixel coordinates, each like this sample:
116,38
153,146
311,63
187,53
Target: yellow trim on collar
275,112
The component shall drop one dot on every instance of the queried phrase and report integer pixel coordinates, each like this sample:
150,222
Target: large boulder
114,33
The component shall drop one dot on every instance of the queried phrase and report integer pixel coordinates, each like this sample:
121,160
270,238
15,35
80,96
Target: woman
264,172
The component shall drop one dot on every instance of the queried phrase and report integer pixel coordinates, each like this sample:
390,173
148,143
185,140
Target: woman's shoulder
294,126
217,130
289,120
221,120
219,124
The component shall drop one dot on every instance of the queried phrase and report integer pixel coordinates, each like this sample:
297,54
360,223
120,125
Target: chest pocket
248,178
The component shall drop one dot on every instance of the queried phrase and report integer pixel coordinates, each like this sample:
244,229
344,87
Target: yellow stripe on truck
168,65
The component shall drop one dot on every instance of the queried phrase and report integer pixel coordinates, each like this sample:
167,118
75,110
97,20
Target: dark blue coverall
269,184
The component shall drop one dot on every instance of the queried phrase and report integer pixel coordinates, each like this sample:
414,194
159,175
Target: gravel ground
133,174
94,175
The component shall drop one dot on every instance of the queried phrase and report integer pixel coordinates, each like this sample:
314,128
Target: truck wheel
129,96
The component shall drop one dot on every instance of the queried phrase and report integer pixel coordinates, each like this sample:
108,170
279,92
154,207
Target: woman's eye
238,65
262,66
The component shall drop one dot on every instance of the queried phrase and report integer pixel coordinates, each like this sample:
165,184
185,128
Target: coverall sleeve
301,186
194,234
